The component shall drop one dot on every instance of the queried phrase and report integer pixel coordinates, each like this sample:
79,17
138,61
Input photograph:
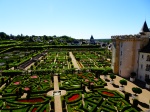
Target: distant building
76,42
131,53
92,41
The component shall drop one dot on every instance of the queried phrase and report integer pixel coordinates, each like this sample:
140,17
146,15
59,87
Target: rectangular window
121,44
146,76
120,72
141,66
147,67
120,62
121,53
142,56
148,58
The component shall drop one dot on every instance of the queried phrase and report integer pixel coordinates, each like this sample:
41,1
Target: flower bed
32,100
74,97
108,93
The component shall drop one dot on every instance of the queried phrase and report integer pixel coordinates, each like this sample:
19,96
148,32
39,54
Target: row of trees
21,37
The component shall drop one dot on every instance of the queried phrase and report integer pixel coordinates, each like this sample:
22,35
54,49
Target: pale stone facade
125,53
144,66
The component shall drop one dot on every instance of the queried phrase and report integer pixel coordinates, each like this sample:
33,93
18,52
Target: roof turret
144,28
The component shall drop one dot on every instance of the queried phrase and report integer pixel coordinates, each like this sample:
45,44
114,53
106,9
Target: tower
92,41
125,51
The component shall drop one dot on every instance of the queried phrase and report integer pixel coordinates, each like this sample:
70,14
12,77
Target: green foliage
109,70
123,82
137,90
105,72
112,76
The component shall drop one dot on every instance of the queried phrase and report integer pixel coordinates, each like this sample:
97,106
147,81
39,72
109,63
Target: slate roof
92,41
145,28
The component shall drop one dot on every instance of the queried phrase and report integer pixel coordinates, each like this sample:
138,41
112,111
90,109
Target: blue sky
75,18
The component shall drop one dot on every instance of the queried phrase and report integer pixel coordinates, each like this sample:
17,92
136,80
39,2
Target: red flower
108,93
33,100
34,109
74,97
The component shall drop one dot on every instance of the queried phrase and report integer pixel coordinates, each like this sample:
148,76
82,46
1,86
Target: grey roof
92,41
145,28
91,37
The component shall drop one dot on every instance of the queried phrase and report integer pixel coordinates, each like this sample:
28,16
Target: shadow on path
143,104
116,86
138,82
107,80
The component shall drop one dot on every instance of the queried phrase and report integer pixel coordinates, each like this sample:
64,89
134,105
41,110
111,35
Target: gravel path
57,98
75,64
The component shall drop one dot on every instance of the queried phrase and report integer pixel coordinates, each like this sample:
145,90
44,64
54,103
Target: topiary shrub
112,76
137,90
123,82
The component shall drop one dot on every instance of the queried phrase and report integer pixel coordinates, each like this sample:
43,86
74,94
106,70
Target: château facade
128,54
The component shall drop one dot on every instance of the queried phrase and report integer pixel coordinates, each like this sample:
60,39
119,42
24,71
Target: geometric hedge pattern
100,100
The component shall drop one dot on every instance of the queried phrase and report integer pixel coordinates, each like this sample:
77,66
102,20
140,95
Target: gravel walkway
144,97
57,98
75,64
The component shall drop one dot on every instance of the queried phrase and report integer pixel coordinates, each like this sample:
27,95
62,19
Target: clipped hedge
11,72
93,107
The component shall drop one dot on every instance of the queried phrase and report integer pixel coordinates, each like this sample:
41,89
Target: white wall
142,61
113,55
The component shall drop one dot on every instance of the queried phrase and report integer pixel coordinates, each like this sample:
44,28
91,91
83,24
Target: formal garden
26,90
